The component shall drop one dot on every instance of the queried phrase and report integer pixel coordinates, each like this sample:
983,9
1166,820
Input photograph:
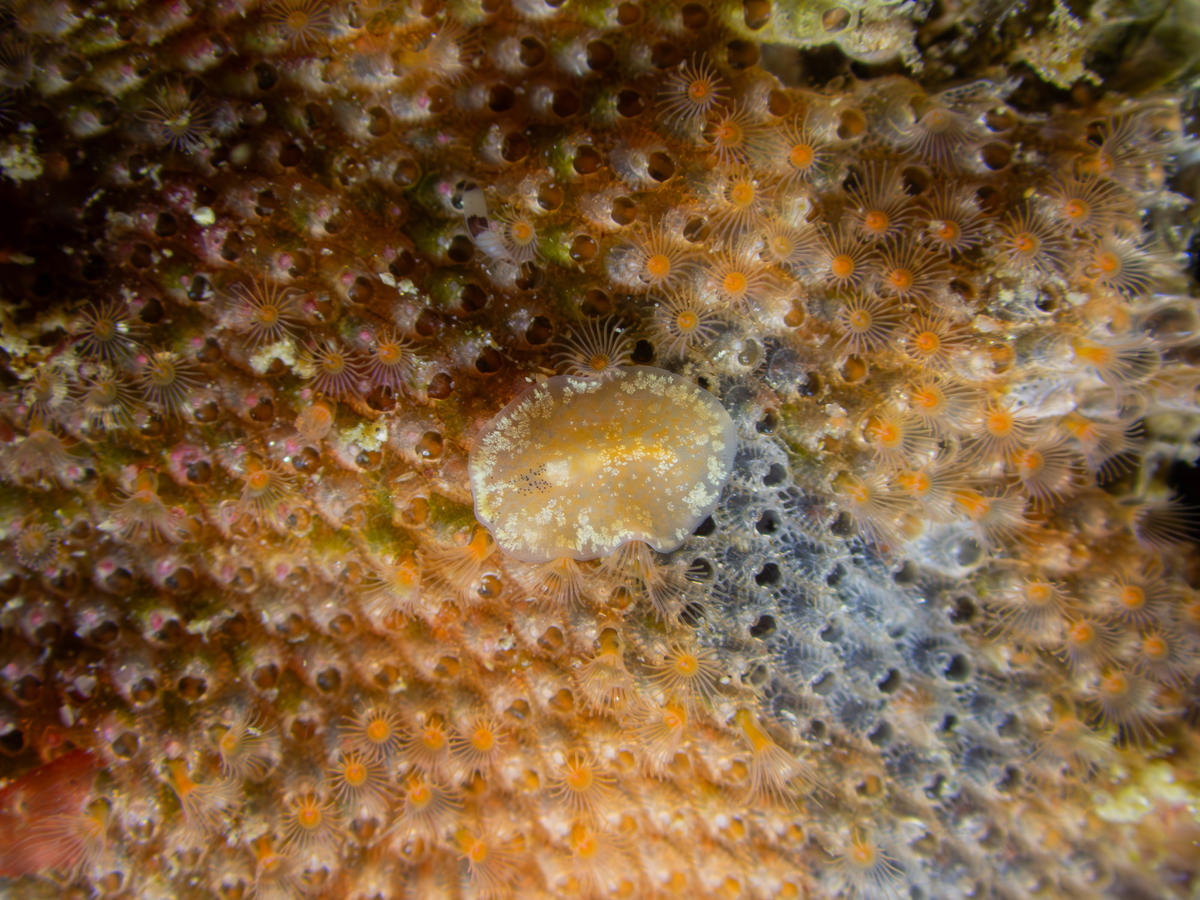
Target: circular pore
576,467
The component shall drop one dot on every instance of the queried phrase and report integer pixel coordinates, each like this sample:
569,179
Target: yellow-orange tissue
576,467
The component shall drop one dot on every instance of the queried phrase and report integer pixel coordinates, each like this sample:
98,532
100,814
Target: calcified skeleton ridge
274,267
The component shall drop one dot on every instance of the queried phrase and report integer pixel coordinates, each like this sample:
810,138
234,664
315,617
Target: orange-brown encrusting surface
576,467
268,270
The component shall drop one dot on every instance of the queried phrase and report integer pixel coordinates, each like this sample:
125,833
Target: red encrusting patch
56,788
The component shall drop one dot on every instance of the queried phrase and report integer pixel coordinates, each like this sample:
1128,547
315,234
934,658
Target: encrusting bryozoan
576,467
940,633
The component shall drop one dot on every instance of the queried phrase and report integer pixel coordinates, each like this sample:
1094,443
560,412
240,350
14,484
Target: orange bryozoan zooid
576,467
